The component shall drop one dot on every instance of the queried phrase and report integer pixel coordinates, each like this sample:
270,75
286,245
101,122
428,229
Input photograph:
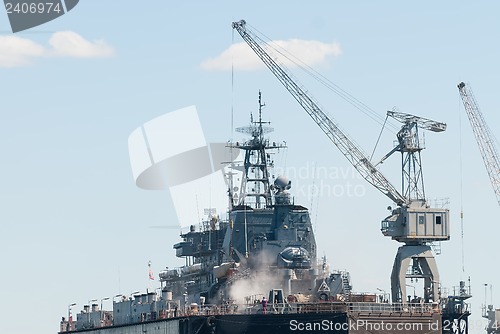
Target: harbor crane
413,222
483,136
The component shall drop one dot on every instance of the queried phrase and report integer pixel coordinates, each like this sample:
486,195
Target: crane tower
409,224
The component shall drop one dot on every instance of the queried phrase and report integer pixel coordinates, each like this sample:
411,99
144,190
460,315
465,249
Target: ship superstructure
266,235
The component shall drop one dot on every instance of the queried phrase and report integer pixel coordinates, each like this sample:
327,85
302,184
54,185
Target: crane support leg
423,265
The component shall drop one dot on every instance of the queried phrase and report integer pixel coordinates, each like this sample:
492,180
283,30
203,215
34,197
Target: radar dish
254,130
282,182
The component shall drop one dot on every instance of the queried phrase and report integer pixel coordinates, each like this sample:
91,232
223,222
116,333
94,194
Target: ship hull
337,322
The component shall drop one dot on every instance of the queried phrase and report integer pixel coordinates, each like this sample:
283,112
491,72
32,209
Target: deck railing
278,308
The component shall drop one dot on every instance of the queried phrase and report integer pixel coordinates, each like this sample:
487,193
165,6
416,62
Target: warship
257,271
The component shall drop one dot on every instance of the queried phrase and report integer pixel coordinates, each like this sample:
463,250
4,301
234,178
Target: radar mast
255,188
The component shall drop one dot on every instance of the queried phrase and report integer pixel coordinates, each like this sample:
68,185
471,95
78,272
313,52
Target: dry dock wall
159,327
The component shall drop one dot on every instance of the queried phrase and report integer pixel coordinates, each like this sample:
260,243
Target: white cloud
243,58
70,44
17,51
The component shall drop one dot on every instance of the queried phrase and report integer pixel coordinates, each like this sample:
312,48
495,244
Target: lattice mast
255,188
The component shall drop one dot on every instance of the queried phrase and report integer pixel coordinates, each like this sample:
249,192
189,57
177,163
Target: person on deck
264,305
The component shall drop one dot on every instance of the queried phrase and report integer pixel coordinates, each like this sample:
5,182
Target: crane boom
423,123
347,147
483,136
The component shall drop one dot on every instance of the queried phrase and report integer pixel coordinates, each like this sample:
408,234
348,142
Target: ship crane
413,222
483,136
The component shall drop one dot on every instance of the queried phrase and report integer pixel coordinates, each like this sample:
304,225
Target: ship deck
338,317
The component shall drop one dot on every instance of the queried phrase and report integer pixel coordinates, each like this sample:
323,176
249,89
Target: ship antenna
261,131
231,168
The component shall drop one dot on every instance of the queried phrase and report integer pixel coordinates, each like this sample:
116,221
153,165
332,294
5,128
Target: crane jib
484,138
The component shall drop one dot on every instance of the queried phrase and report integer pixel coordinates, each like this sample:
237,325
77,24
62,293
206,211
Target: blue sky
73,225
